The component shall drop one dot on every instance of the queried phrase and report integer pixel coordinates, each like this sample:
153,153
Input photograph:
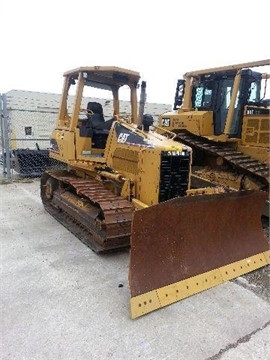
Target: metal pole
6,136
2,135
142,103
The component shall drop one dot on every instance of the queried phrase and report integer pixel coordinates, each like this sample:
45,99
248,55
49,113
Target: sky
40,40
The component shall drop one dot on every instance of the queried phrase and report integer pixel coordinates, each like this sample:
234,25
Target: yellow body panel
255,137
197,122
66,148
255,131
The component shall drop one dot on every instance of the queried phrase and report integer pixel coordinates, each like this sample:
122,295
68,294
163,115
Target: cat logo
122,138
166,122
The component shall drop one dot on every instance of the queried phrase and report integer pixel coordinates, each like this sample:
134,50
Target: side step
187,245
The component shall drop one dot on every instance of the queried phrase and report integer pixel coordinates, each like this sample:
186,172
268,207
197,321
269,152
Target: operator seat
98,124
96,116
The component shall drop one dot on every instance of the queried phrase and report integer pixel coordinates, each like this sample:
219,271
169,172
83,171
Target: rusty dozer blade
186,245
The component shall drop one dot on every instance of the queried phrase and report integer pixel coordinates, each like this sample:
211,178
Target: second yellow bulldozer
125,185
223,115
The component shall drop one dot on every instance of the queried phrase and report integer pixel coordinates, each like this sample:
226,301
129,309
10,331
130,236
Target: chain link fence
25,139
27,121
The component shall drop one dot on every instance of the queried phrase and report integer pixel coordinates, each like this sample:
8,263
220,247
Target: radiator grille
174,174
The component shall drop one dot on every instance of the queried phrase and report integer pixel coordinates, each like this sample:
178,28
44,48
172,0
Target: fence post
5,135
2,134
2,129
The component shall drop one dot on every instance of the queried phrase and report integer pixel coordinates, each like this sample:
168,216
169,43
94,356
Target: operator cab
82,111
213,92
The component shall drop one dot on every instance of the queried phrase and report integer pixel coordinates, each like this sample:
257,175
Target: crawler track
236,159
100,219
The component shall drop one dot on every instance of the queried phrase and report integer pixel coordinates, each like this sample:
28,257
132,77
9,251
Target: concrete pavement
59,300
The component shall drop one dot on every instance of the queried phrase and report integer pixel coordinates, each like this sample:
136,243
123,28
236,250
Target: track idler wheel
48,186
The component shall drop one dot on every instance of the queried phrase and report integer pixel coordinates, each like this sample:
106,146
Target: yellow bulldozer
123,184
223,115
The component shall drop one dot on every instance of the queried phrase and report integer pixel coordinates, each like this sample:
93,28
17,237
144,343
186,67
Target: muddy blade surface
187,245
